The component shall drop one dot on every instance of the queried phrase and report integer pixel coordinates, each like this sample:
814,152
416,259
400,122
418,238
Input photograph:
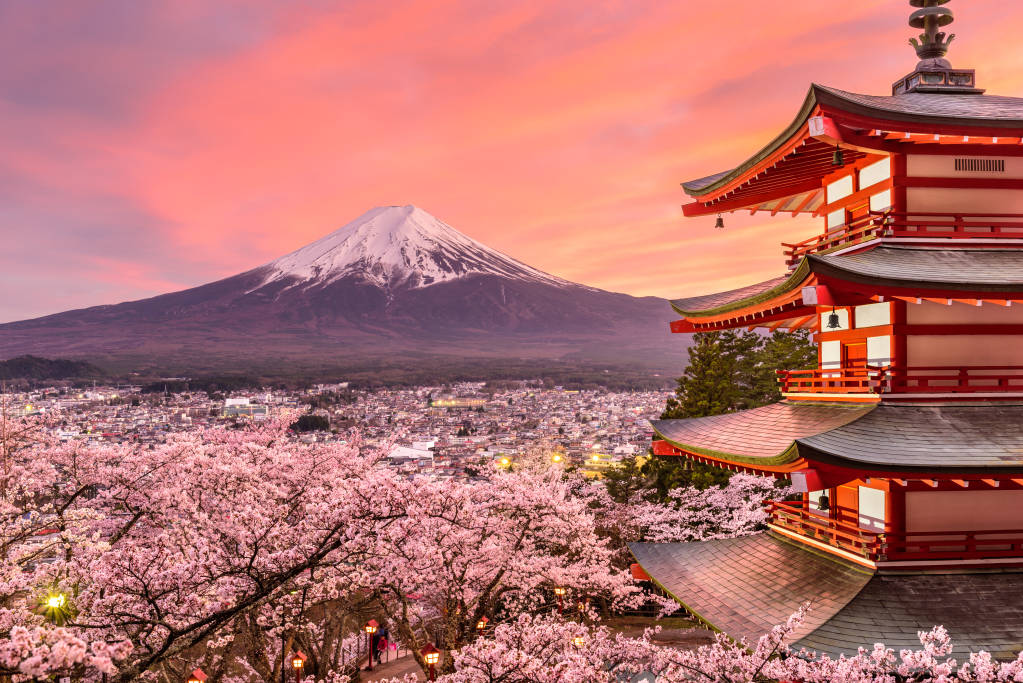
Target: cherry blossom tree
496,548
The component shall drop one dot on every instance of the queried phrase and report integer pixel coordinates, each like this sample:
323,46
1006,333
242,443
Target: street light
481,625
556,457
198,676
370,628
578,641
560,592
431,655
297,662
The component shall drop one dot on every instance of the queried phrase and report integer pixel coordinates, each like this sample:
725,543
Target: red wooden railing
793,516
903,224
838,381
918,545
904,380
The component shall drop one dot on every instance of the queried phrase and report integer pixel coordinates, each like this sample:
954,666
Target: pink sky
154,146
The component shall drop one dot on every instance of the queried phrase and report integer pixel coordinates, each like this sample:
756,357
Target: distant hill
34,367
395,290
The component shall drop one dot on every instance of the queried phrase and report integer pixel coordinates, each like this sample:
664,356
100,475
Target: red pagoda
907,439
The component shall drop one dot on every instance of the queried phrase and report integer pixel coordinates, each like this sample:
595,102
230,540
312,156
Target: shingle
746,585
761,432
926,436
944,267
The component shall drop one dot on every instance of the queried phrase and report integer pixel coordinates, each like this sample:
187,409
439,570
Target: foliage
35,368
311,423
731,371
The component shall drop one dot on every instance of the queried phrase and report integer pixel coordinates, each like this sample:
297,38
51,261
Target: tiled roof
975,270
956,110
980,611
745,586
908,436
987,108
941,267
761,433
708,302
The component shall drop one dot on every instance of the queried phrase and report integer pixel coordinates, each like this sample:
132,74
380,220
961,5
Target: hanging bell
833,322
838,158
720,222
823,504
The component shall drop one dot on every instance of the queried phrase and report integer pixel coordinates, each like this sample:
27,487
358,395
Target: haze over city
151,147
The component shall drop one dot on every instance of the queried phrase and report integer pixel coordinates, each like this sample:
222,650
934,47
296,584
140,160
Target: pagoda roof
921,268
976,269
877,437
763,436
904,437
720,300
744,586
953,110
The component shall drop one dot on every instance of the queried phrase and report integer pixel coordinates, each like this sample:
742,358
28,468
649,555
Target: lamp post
560,592
197,676
370,628
297,663
431,655
481,625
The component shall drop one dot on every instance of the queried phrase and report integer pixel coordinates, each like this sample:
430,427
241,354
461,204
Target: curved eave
790,456
796,280
709,184
861,106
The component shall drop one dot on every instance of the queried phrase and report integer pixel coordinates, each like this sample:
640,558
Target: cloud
159,145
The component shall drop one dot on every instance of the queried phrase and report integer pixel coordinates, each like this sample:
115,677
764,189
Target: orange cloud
556,132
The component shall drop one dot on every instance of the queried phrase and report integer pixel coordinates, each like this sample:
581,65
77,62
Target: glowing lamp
298,660
482,624
557,457
431,655
371,626
578,641
559,590
56,601
197,676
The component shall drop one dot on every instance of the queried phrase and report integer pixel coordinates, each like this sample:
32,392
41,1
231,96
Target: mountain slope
394,283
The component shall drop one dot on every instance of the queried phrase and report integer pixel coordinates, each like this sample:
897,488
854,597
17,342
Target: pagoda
906,440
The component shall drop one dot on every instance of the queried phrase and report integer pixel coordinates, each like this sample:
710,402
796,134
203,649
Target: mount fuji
394,285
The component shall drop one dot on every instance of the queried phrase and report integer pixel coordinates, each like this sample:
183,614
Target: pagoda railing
903,224
904,380
966,380
794,517
837,381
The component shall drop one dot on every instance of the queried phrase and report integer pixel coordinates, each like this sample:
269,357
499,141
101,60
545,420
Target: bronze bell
720,222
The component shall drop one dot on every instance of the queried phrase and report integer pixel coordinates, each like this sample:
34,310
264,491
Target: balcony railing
905,546
904,380
902,224
793,516
838,381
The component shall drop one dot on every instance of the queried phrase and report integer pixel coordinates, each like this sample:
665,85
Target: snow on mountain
397,246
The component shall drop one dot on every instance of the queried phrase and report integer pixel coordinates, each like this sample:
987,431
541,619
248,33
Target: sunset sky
153,146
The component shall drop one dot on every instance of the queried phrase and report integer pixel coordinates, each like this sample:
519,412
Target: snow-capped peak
398,246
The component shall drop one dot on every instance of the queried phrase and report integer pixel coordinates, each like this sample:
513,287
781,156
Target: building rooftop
744,586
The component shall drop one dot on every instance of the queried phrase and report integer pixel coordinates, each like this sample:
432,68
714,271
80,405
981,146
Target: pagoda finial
933,43
933,74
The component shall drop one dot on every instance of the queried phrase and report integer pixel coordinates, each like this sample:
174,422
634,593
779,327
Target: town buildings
907,439
454,430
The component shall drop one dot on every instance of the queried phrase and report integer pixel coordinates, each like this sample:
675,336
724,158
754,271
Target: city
435,431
